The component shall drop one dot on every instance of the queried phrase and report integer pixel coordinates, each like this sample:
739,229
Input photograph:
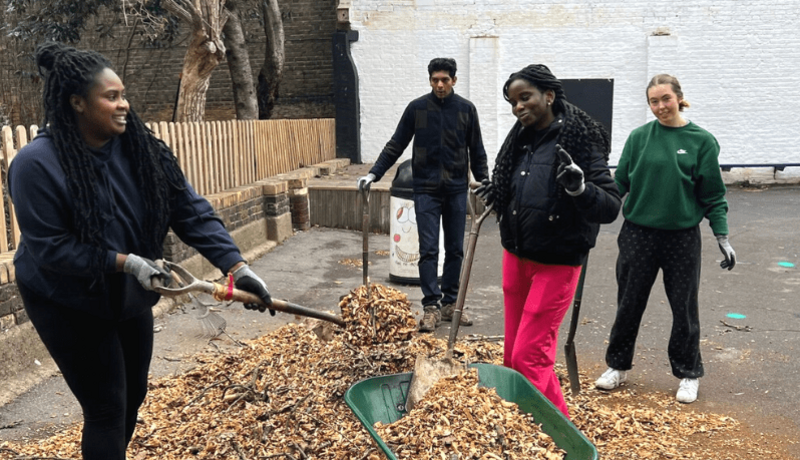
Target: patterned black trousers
642,252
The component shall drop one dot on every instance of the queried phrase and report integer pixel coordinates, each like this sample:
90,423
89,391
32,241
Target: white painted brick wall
737,60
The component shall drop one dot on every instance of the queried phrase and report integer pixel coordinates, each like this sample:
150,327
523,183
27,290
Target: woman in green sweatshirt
670,170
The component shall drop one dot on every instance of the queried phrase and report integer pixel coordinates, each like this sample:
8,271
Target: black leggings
104,362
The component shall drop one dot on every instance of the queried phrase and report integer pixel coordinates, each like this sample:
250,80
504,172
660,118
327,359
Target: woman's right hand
145,270
485,192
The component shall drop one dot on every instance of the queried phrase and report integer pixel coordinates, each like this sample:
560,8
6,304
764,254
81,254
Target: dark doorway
594,96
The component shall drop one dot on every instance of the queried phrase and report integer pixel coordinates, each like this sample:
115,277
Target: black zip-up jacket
548,226
447,144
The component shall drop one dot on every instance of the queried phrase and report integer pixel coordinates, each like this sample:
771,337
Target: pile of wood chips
281,397
394,321
626,424
458,417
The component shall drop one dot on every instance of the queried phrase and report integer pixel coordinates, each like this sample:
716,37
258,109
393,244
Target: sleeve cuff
227,262
111,262
577,192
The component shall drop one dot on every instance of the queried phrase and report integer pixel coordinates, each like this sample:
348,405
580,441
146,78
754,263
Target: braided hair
68,71
579,135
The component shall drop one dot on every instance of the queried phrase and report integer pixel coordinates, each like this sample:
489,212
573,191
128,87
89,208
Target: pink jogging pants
536,298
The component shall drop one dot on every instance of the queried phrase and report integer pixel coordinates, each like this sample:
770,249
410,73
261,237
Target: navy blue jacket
447,144
52,260
548,226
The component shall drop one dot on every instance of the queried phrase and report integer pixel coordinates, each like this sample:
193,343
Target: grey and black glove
246,280
727,251
365,181
485,192
568,174
145,270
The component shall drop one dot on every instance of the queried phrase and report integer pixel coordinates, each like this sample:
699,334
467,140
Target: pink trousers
536,298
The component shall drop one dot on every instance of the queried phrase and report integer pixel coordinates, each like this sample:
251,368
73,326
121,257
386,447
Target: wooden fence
215,155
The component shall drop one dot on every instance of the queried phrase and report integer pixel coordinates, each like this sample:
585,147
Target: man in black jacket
447,145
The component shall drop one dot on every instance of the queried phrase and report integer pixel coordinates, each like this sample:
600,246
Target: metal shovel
569,346
228,292
429,371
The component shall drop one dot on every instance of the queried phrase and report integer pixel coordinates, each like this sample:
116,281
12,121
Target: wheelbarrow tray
382,399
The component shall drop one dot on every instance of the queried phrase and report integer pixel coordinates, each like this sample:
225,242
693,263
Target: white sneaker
612,378
687,393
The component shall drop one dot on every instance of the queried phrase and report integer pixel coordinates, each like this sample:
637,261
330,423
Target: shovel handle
239,295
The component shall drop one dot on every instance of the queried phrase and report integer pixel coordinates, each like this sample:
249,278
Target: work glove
485,192
246,280
568,174
727,251
365,181
145,270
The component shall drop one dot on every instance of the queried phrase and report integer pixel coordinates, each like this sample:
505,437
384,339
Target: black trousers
642,252
104,362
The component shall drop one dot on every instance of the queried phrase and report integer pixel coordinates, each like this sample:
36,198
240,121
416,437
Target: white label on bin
404,243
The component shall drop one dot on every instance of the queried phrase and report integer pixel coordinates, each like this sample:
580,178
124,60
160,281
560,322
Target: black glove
727,251
246,280
485,192
568,174
145,270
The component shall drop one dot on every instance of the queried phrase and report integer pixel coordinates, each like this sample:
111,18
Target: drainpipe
345,89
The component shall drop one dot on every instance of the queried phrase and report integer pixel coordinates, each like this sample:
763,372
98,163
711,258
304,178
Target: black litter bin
404,243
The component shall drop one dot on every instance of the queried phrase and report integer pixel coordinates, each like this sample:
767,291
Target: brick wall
11,309
151,74
737,62
246,209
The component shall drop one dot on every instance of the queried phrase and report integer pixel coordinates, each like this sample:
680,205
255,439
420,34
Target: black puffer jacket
542,222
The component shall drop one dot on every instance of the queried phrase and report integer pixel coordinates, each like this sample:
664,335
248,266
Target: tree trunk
206,50
244,91
269,78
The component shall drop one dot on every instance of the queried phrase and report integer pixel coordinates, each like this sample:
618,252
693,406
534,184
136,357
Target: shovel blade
572,368
426,373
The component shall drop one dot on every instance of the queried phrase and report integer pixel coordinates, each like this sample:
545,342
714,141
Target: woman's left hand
568,174
246,280
727,251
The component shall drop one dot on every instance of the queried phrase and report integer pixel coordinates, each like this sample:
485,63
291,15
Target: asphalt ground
750,318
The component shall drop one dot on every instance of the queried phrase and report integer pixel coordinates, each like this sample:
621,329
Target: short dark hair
438,64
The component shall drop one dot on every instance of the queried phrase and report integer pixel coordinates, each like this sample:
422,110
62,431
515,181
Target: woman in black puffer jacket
552,189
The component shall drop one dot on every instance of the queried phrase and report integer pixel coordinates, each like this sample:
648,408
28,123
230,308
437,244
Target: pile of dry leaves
281,397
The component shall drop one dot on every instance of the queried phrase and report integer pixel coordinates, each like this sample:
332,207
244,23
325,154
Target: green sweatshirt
673,178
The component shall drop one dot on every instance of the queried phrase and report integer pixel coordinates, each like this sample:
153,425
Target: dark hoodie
53,261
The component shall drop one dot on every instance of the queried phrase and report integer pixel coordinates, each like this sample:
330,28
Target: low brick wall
258,216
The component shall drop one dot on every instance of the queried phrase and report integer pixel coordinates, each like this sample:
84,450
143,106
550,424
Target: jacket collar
436,99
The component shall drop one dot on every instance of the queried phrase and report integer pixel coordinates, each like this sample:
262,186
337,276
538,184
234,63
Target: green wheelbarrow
382,399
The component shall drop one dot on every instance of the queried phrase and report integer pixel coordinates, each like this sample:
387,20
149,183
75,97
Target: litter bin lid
403,182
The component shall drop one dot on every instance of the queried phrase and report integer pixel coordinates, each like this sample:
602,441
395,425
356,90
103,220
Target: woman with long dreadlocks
551,188
95,193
